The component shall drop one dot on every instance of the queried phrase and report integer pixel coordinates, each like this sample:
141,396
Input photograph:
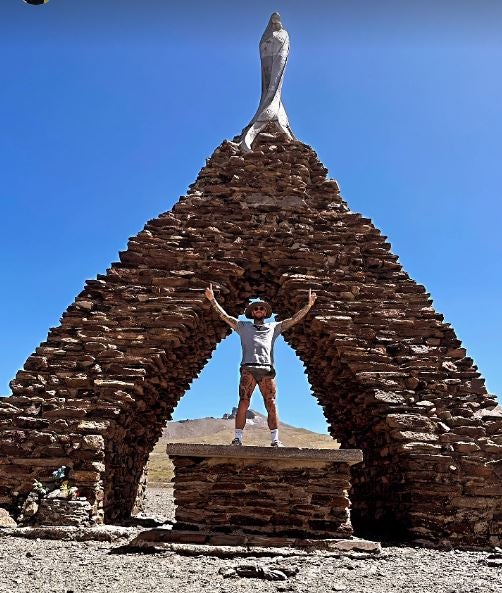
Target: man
257,365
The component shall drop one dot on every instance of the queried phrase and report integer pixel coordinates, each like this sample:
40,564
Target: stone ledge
348,456
101,533
159,537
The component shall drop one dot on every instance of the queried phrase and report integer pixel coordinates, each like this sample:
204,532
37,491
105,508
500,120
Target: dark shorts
259,372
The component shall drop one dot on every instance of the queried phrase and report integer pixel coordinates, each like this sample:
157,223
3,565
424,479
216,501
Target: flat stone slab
348,456
162,537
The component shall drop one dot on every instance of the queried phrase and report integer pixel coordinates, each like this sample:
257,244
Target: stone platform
164,538
255,493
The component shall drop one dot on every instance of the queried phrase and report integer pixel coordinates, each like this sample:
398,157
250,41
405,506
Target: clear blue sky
108,110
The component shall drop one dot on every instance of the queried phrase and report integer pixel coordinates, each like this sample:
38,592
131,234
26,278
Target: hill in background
220,431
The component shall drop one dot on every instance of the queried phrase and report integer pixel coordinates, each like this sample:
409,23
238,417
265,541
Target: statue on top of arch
274,51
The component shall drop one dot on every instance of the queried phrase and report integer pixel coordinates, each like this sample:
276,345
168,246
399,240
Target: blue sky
109,109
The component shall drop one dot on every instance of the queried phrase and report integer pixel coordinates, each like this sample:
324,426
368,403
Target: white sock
274,434
239,433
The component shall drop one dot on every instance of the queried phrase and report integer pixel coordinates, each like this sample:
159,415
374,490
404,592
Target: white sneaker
276,444
236,442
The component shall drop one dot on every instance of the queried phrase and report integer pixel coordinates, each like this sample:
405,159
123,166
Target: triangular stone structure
390,375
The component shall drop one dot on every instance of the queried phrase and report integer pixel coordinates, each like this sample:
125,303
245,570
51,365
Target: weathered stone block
6,520
56,511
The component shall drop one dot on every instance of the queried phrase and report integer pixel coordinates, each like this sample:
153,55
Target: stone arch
390,375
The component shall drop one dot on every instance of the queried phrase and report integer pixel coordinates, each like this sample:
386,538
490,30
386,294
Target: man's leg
268,388
246,387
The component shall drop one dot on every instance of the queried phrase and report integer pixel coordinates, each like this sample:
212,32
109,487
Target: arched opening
167,377
139,431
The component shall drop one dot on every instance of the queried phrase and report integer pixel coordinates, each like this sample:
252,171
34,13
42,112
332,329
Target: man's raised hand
231,321
299,315
209,292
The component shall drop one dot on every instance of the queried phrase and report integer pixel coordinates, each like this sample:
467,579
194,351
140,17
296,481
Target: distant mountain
220,431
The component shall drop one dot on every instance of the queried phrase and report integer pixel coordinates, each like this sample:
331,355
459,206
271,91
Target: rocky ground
92,567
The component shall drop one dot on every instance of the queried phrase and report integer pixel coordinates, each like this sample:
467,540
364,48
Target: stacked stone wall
391,376
277,498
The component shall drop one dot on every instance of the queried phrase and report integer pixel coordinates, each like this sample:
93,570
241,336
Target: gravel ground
90,567
160,501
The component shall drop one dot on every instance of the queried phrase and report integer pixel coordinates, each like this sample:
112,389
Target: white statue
274,50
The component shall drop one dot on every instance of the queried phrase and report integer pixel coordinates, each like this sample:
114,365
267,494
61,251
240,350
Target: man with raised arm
257,365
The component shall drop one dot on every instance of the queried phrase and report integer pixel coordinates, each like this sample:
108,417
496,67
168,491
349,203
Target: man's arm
232,321
299,315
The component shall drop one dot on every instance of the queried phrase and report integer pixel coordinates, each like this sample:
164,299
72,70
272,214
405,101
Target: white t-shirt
257,341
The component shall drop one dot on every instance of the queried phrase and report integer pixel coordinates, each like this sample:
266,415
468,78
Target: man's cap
250,307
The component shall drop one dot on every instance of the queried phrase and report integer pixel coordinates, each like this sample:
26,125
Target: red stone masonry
391,376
